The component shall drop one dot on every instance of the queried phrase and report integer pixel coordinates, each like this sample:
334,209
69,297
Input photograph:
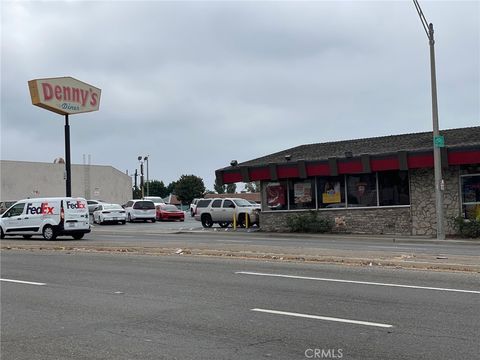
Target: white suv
140,210
223,211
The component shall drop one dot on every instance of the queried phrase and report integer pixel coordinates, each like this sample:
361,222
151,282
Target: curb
249,255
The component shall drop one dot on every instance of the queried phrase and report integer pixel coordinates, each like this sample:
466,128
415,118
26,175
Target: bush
466,227
309,223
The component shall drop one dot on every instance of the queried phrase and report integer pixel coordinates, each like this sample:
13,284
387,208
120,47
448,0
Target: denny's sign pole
65,96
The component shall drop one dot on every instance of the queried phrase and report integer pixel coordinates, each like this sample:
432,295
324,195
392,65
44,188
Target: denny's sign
64,95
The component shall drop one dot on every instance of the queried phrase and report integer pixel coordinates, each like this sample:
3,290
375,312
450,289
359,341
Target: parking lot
190,224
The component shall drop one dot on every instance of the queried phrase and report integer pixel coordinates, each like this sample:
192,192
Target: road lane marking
23,282
326,318
358,282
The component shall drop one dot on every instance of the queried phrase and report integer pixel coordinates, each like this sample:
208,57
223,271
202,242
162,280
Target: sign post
65,96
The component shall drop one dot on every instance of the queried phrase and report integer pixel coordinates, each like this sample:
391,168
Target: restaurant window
362,190
331,192
276,195
302,194
470,187
393,188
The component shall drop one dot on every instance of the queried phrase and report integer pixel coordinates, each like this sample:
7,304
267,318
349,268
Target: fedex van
49,217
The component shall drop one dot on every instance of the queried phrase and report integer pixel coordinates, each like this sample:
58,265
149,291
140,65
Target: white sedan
109,213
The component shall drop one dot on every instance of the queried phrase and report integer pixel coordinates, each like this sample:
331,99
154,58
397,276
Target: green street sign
439,141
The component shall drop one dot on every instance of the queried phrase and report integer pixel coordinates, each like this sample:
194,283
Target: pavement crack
264,342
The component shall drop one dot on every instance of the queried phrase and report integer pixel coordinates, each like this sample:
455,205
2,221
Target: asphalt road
122,306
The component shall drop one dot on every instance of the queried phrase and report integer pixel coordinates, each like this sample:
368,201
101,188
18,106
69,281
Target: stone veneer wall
388,220
417,219
422,195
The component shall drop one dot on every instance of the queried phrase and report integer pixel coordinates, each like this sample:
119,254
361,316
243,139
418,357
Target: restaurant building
381,185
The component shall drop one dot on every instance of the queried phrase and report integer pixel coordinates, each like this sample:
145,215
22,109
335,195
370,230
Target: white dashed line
325,318
23,282
358,282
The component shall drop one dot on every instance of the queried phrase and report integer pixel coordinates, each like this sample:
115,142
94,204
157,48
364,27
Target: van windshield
144,205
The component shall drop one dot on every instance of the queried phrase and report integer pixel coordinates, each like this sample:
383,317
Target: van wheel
48,233
207,221
27,236
77,236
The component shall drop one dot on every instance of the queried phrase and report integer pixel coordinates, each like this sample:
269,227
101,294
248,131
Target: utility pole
438,141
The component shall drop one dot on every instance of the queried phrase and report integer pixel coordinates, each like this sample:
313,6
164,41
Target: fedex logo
43,209
77,205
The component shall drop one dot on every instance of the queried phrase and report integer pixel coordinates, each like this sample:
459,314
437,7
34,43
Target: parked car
200,207
109,213
193,206
169,212
157,200
92,205
223,211
140,210
255,204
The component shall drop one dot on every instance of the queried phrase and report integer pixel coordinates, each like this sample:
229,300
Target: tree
231,188
220,189
252,187
171,188
189,187
157,188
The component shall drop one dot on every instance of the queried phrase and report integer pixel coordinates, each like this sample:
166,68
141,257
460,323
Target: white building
23,179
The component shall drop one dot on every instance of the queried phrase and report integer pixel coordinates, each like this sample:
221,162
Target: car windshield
144,205
112,207
242,203
169,208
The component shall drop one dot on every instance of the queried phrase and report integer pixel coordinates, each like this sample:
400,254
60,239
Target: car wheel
153,220
27,236
207,221
77,236
223,224
49,233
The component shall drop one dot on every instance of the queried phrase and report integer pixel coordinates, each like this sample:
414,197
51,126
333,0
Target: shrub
309,222
466,227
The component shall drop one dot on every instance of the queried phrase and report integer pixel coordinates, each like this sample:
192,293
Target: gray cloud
197,84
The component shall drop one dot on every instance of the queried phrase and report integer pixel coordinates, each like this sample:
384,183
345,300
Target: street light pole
437,140
148,186
141,175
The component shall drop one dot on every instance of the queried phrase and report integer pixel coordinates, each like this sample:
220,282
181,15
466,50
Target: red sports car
169,212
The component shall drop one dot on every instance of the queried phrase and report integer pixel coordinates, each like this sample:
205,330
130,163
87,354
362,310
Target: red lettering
47,91
58,92
84,95
94,100
76,95
67,93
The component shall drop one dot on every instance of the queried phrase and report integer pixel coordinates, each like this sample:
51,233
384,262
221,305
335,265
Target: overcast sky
198,84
